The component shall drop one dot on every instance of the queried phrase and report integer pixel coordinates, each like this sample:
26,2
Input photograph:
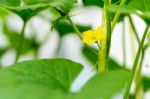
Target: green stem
75,28
139,88
79,34
117,15
104,47
134,29
20,45
102,60
56,53
124,44
127,91
108,27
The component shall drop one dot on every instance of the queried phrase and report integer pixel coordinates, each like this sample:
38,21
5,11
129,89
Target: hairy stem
102,57
20,45
127,90
105,44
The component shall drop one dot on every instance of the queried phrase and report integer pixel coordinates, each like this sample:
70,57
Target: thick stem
105,44
127,90
102,57
108,27
20,45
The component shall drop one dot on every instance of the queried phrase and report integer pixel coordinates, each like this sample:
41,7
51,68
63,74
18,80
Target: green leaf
142,6
64,28
62,5
138,7
113,64
100,3
52,79
28,8
13,3
28,12
3,13
146,83
2,51
89,55
39,79
105,85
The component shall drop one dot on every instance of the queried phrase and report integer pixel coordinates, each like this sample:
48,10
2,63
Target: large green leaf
104,86
38,79
52,79
139,7
62,5
28,8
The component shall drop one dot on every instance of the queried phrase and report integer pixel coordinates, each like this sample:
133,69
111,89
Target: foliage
53,78
31,7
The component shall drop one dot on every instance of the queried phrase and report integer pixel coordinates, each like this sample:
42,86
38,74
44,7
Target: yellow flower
92,36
